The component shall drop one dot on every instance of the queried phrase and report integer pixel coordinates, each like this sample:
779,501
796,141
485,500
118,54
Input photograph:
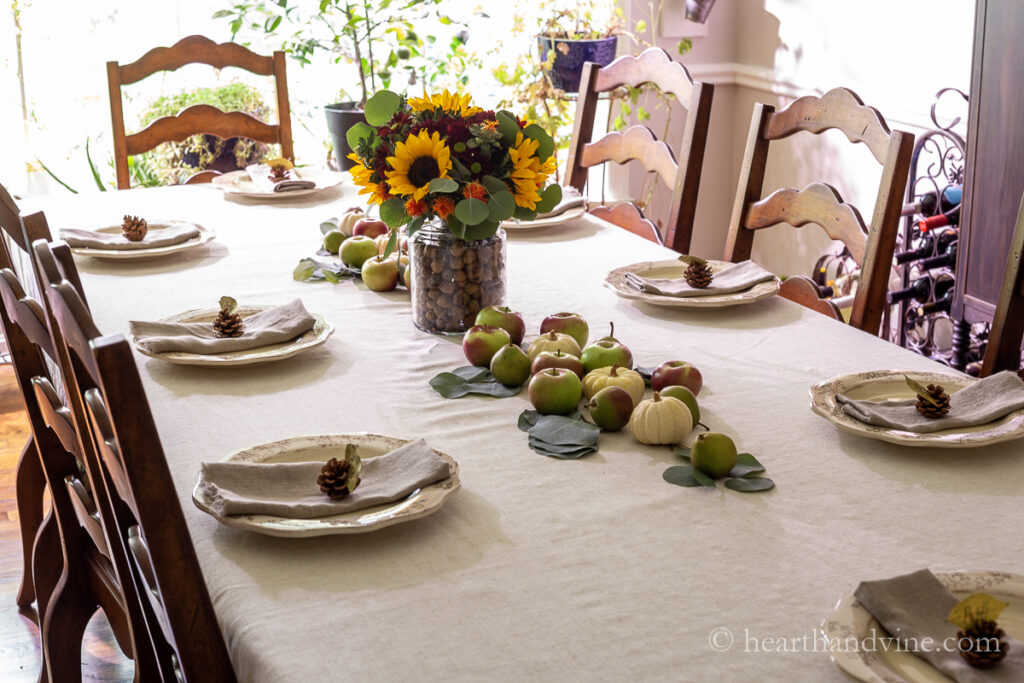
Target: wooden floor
19,637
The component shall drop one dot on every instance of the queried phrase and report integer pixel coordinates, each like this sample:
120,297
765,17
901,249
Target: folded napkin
571,199
914,607
260,175
290,489
976,404
734,278
174,233
279,324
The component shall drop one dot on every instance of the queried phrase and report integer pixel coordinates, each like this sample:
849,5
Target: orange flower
475,191
443,207
490,126
415,207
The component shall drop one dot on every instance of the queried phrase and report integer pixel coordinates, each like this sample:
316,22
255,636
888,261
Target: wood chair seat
678,170
805,292
199,118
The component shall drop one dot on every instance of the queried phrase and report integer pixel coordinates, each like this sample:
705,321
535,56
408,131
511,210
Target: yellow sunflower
417,161
452,103
363,177
528,173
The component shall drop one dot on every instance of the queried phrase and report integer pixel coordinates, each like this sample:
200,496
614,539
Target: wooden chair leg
67,616
30,485
47,564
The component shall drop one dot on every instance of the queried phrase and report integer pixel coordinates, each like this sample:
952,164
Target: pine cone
279,174
698,274
134,228
941,398
982,645
333,479
228,325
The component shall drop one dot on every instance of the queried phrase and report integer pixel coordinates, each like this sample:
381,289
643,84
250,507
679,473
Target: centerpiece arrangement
450,173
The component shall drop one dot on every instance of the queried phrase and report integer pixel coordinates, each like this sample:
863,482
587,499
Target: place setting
693,282
326,485
277,179
137,238
570,207
232,335
924,409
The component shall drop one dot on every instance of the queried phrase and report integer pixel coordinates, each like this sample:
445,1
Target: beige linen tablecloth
541,569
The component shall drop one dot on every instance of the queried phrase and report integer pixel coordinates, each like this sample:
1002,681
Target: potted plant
569,38
377,37
450,173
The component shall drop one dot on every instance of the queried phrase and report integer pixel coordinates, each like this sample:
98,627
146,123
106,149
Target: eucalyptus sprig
744,477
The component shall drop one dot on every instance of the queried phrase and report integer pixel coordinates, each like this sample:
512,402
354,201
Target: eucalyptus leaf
527,419
443,185
549,198
703,479
545,146
459,170
646,373
507,126
481,231
328,225
682,452
525,214
501,207
750,484
493,185
571,453
392,212
381,107
474,373
228,305
745,464
392,243
304,270
455,384
358,132
680,475
331,276
471,211
414,225
561,430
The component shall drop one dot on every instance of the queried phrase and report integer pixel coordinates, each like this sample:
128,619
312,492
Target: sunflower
417,161
452,103
528,173
363,177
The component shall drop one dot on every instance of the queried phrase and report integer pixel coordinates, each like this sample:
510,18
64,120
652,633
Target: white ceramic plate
889,384
206,235
238,183
322,329
674,268
850,623
549,222
419,503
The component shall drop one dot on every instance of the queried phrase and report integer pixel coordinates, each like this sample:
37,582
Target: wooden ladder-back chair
679,170
147,532
820,204
1004,340
199,118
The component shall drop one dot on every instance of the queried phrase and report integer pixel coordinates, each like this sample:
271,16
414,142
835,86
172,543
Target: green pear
714,454
511,366
610,408
687,397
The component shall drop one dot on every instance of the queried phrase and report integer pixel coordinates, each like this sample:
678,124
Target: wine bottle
938,306
929,245
920,289
925,204
945,259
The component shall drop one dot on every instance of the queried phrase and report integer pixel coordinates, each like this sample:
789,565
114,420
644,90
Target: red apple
571,324
505,318
677,373
482,342
380,274
557,359
370,227
555,391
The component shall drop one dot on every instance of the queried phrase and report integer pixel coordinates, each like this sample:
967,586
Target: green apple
355,250
686,396
606,351
714,454
610,408
554,341
571,324
555,391
380,274
333,240
482,342
557,359
505,318
511,366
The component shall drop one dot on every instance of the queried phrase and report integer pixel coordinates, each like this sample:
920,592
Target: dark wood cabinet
994,177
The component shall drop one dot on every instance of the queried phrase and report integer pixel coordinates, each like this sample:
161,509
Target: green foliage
741,477
567,437
470,379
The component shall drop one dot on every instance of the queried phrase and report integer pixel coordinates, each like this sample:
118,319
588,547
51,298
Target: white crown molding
770,81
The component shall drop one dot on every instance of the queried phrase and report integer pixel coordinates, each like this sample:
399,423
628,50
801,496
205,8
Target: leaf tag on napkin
228,305
355,465
687,259
921,390
976,608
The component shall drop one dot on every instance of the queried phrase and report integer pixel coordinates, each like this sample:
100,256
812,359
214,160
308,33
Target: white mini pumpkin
614,376
348,221
661,420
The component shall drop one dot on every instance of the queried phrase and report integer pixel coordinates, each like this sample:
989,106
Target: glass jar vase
453,279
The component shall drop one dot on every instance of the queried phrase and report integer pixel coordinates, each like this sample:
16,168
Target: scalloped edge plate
420,503
513,225
238,184
850,620
322,329
616,281
206,235
882,384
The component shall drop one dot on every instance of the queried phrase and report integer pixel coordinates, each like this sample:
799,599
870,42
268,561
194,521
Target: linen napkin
735,278
977,404
914,607
174,233
273,326
260,175
290,489
570,200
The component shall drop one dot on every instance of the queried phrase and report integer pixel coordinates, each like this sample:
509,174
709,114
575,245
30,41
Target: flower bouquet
439,157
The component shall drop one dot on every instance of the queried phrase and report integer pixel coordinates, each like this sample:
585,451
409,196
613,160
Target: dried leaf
228,305
975,608
687,259
354,467
920,390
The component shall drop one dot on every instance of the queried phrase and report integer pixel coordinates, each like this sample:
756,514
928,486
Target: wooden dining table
539,568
